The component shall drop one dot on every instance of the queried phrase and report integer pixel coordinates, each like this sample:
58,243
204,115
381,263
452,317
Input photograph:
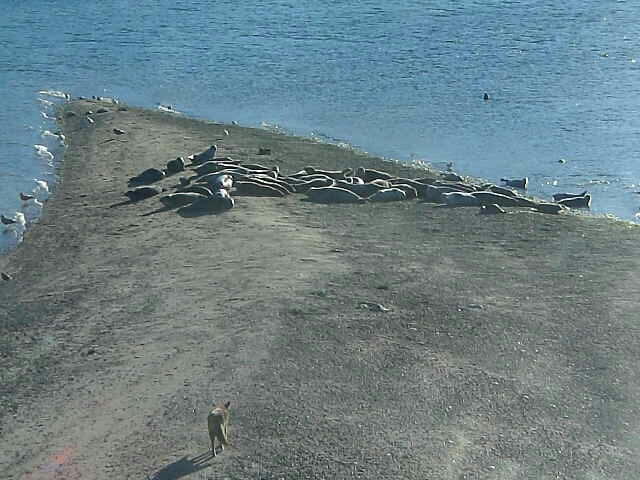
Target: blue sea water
401,79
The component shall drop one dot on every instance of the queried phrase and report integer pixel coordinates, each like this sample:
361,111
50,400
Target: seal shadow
123,203
157,210
183,467
199,213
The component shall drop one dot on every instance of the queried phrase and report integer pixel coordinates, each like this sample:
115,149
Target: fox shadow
183,467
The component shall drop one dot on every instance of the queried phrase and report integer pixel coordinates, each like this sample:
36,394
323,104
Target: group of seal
215,177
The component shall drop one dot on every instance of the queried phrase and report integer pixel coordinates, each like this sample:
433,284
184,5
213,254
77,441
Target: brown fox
218,421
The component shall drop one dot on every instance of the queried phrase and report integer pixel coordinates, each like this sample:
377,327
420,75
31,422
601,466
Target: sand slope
509,349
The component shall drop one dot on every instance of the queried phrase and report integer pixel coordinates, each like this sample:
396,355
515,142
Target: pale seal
388,195
408,190
363,190
333,195
180,199
460,199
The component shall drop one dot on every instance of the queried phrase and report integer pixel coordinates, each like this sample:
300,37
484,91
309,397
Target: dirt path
508,351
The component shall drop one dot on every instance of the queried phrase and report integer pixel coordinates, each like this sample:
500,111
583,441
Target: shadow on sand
183,467
187,213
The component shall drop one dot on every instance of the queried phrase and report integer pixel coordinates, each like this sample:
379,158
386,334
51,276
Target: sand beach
507,345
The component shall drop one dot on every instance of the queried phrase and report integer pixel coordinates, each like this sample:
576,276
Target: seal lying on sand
256,189
388,195
409,191
316,182
551,208
220,201
216,181
267,181
487,198
211,167
460,199
490,187
208,154
181,198
561,196
335,174
576,202
140,193
363,190
150,175
516,182
333,195
202,189
175,166
368,174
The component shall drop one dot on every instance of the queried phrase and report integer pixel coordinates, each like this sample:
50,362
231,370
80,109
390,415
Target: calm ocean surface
397,79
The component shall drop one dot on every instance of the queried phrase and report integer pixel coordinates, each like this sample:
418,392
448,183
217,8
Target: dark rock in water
148,176
140,193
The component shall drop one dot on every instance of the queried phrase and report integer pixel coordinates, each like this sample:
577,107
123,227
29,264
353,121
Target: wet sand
509,349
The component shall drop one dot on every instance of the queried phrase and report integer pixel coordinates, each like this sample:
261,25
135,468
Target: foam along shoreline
431,334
